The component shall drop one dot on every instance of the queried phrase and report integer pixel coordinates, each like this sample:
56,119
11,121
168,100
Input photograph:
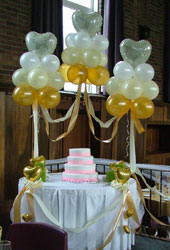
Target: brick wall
15,22
151,14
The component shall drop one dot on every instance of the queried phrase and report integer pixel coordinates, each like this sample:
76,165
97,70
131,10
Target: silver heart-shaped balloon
41,44
88,22
134,52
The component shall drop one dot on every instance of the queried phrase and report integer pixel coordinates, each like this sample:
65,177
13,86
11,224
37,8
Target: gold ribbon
115,128
130,204
144,204
72,119
137,122
0,233
17,202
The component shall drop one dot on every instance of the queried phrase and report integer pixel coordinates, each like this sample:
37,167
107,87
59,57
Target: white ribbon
35,121
132,147
102,124
53,220
50,120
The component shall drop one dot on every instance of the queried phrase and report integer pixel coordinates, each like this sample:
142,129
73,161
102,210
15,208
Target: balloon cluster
38,79
84,58
132,86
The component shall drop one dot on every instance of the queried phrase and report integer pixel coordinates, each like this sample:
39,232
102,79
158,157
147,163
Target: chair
37,236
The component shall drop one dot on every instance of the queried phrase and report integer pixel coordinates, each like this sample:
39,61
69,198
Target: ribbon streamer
72,119
115,128
143,201
35,121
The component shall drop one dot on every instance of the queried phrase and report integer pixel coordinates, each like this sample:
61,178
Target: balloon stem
132,147
35,121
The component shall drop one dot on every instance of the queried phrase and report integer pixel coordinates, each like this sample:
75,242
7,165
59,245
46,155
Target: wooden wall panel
17,144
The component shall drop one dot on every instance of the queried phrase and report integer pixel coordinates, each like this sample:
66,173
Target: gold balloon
24,95
77,74
26,217
39,159
63,71
126,229
98,76
142,107
32,173
123,175
48,97
128,213
117,105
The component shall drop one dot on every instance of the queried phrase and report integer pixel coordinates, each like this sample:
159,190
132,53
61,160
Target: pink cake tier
80,166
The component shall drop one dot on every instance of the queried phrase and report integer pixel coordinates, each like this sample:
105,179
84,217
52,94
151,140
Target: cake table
87,211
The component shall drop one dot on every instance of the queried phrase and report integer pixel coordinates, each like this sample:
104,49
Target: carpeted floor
145,243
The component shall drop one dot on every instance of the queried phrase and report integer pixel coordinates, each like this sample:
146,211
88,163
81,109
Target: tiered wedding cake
80,166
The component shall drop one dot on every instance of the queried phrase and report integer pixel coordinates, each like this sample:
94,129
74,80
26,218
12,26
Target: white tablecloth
74,205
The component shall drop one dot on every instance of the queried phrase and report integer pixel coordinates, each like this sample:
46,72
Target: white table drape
89,208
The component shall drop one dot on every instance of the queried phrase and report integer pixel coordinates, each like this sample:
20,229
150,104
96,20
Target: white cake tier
80,160
80,177
79,168
79,152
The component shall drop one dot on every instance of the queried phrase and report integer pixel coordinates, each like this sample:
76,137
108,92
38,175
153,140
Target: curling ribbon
72,119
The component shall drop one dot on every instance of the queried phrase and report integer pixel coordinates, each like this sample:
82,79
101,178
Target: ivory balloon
56,80
150,90
29,61
144,72
48,97
100,42
117,105
69,40
142,107
98,76
113,86
63,71
38,78
24,95
71,56
82,40
103,59
132,89
91,58
123,70
50,63
19,77
77,74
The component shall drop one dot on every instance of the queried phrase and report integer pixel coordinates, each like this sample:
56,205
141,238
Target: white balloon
29,61
103,59
132,89
123,70
19,77
144,72
82,40
56,80
100,42
113,86
37,78
50,63
69,40
150,90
